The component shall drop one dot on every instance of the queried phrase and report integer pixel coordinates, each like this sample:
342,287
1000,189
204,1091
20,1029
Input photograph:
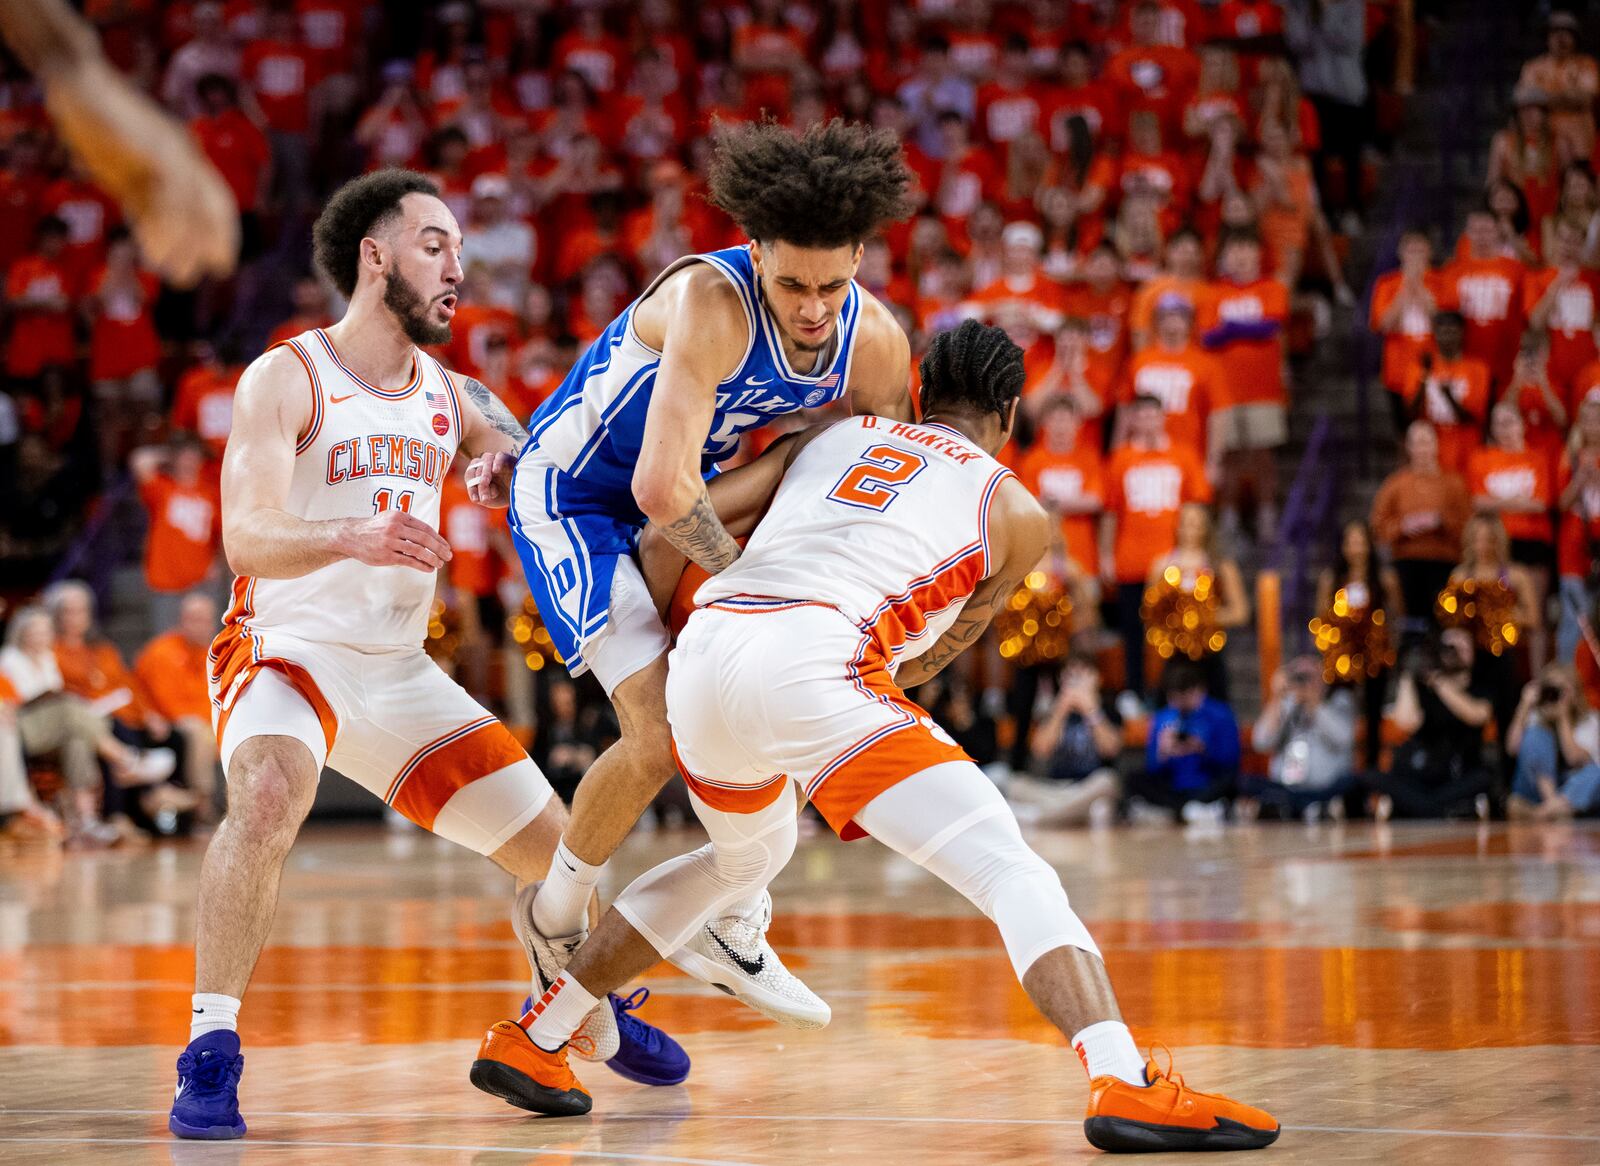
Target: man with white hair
499,241
1028,306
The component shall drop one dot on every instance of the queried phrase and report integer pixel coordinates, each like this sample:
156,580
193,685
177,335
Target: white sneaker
153,765
732,953
597,1038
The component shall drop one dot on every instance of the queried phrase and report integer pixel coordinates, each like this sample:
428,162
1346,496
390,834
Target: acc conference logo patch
441,424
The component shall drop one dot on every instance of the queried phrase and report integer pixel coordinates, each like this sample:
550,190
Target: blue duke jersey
573,514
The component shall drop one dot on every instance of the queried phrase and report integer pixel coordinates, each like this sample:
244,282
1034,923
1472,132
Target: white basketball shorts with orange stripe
762,690
390,720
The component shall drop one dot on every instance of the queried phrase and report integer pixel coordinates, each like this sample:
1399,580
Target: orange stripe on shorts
732,800
437,777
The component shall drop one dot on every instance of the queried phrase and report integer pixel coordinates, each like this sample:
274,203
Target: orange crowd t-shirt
172,673
1501,475
1062,479
1252,370
466,526
1460,426
1488,293
185,532
1413,332
1188,385
1145,489
1571,320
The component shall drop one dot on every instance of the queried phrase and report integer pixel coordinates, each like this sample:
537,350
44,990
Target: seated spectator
950,700
52,722
22,817
1308,732
1192,757
171,674
1418,515
1555,738
1075,750
1578,540
1438,770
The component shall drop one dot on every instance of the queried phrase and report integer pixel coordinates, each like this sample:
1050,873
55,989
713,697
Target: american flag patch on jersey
436,400
829,381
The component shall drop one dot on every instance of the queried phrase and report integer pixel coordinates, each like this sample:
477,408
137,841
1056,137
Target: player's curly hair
356,210
975,368
832,186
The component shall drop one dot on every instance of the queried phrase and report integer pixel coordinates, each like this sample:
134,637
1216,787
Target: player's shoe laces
644,1054
1168,1115
549,956
732,953
206,1102
513,1068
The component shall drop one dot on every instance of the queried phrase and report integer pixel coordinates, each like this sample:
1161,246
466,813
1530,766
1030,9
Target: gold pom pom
528,632
1035,626
1353,640
1179,620
1487,607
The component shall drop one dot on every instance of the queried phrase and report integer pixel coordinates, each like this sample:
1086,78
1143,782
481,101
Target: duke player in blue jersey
718,344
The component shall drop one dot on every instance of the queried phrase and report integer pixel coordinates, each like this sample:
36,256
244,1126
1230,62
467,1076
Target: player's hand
397,539
489,478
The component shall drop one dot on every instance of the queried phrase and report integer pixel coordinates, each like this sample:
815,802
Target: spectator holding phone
1555,738
1075,748
1192,757
1309,735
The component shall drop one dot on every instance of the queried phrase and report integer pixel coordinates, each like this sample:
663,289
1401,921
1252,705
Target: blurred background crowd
1307,291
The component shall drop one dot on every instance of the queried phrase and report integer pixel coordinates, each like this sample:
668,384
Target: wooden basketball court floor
1412,994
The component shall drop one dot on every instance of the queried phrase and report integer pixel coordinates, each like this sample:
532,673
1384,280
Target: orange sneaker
1168,1115
513,1068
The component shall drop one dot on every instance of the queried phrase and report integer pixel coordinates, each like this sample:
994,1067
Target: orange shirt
1580,523
1145,489
1187,383
1063,479
1540,431
172,672
1571,323
185,532
1579,389
1412,334
1107,316
1252,370
1154,77
466,526
1029,310
1500,474
470,332
1460,426
40,337
1421,516
204,404
123,340
238,150
1488,292
95,669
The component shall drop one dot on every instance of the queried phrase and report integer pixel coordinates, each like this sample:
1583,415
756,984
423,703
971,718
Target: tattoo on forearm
701,535
494,410
969,625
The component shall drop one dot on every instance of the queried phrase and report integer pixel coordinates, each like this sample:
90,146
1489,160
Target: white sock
1107,1050
561,907
211,1012
556,1015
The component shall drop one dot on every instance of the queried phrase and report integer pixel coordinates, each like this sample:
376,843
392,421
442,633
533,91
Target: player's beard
414,312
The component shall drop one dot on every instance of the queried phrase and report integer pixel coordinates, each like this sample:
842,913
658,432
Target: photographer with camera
1309,735
1438,771
1556,740
1075,748
1192,758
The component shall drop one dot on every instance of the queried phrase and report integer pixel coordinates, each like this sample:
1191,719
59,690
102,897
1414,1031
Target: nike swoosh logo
748,967
337,400
753,381
177,1094
198,1011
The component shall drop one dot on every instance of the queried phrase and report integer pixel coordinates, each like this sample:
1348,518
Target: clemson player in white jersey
882,551
331,483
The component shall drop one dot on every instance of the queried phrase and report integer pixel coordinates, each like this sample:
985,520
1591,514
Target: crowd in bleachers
1139,192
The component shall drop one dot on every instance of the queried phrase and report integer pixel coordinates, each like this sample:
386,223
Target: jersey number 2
381,500
874,481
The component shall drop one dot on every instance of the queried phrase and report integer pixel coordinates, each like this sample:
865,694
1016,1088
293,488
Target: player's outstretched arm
1019,535
271,410
706,337
182,212
491,436
880,377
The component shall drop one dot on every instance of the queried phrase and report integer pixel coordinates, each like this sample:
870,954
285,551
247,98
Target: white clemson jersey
365,450
885,521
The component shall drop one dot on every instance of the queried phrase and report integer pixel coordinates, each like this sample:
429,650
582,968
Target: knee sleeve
669,903
952,822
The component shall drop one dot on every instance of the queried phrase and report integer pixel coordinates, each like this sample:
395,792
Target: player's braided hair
833,185
975,368
356,210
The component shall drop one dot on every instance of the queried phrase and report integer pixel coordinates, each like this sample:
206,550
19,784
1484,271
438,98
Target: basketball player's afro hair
355,211
834,185
974,368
